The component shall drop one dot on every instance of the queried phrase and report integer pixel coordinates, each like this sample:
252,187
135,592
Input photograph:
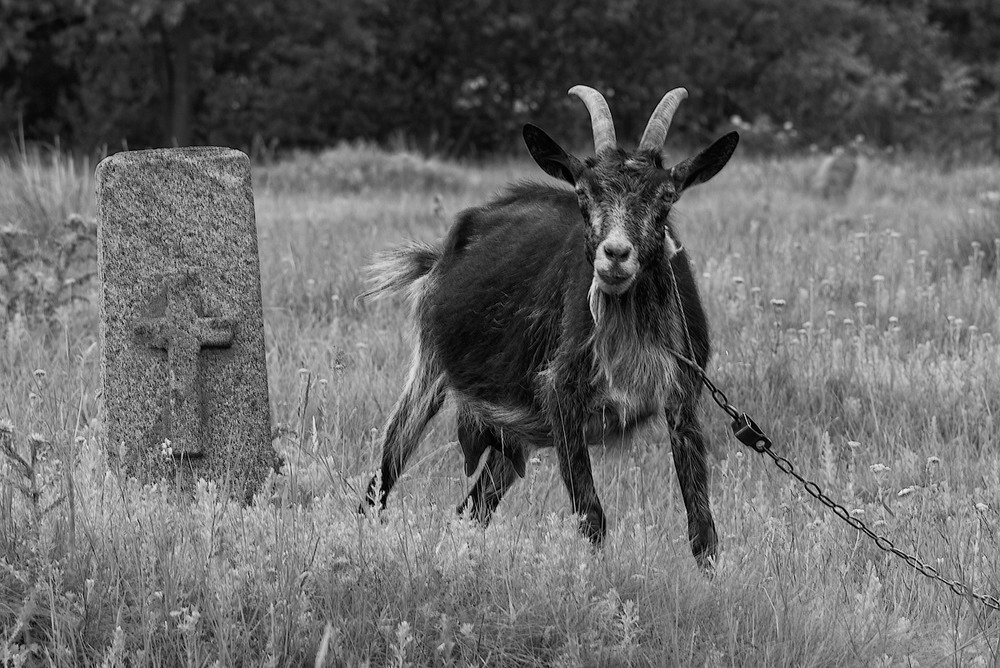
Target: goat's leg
500,470
420,400
568,427
574,467
497,476
689,450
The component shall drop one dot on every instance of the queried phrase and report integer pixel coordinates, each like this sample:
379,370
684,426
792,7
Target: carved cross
176,322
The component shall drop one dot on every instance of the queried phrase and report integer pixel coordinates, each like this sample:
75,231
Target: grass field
861,334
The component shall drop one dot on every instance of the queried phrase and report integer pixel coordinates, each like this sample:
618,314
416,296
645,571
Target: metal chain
749,434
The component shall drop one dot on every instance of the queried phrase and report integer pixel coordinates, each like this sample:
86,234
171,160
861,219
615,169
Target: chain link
750,435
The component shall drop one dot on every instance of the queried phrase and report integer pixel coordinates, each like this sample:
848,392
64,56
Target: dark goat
556,318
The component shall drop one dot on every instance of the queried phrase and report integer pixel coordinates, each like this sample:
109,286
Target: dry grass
873,365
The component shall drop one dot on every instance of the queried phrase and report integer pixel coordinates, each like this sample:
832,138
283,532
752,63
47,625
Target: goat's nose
617,251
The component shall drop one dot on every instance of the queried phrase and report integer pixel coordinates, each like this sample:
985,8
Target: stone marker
183,375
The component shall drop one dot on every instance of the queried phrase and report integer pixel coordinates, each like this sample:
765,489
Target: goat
557,318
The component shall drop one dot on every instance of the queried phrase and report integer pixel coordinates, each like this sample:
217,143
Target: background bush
462,77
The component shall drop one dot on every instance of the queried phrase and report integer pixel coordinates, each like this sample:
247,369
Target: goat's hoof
477,513
705,547
370,504
466,507
594,527
707,560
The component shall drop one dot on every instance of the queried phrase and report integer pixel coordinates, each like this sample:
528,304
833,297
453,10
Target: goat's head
625,196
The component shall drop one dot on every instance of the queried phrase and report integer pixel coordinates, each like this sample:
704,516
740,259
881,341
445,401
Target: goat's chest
632,382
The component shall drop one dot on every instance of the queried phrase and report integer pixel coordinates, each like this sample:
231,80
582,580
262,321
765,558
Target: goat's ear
706,164
550,156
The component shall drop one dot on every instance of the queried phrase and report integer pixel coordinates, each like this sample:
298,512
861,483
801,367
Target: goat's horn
656,130
600,118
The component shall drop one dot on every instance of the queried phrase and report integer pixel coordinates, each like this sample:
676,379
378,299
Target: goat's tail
399,269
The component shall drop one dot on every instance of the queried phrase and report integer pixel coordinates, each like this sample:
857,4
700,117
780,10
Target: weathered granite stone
184,381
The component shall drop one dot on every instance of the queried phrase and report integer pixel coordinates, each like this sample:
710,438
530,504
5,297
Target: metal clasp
749,434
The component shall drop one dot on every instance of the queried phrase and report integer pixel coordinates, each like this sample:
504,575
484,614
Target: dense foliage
461,77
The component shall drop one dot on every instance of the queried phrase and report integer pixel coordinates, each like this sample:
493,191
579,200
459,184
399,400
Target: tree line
461,77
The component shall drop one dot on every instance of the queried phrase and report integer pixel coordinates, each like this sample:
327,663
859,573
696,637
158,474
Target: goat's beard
601,291
596,299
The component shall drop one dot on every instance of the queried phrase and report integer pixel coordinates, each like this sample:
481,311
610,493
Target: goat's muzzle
615,266
612,282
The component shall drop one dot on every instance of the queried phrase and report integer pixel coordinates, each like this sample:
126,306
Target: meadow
862,334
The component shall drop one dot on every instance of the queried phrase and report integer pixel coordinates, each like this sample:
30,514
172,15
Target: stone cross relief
175,321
